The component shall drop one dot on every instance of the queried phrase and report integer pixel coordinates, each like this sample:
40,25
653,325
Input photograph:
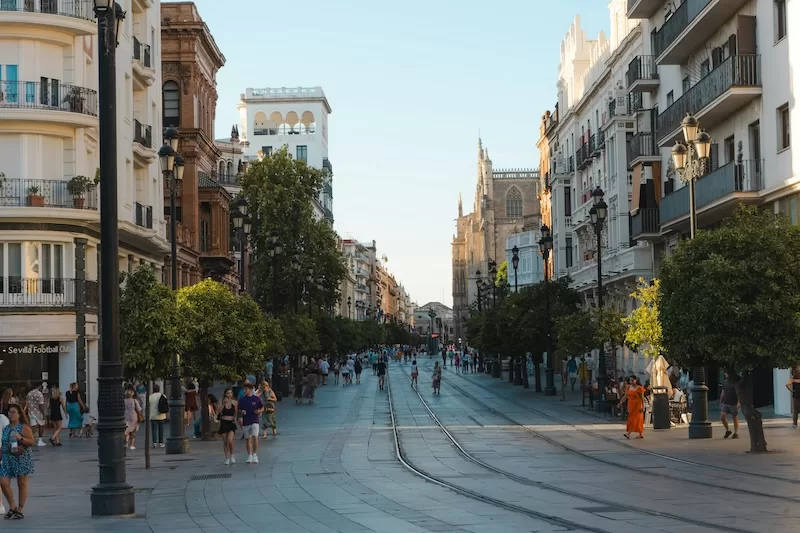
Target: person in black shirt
729,405
381,371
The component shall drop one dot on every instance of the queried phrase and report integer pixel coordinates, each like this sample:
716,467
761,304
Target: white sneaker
161,445
249,458
233,460
41,443
133,448
155,445
255,458
227,461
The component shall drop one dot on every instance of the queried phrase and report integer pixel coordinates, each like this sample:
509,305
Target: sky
411,85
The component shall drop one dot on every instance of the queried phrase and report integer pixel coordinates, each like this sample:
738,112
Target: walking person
437,377
35,412
324,368
17,460
159,407
133,417
7,399
75,410
729,405
250,409
344,368
572,370
190,398
56,406
457,362
381,372
358,369
336,370
268,398
794,386
227,424
634,397
414,373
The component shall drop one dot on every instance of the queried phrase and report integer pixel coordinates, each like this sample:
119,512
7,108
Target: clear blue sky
410,84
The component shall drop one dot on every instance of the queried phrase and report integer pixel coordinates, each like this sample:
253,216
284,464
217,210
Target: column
80,311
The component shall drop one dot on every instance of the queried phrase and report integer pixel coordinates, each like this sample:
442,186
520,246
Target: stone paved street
334,468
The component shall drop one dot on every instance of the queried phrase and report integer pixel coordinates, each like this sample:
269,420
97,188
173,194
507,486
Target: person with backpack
159,407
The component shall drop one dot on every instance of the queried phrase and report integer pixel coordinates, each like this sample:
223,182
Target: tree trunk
755,426
205,421
147,435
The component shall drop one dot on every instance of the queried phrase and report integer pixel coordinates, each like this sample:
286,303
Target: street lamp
493,280
690,160
432,315
598,214
296,267
545,247
275,250
349,303
515,264
479,286
112,495
243,226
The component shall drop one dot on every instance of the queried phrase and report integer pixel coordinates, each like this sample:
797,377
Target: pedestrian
344,368
414,373
7,399
269,368
336,366
457,362
381,372
572,369
159,407
133,417
16,443
56,417
141,393
190,399
465,363
311,384
268,398
444,358
35,412
794,386
211,407
357,367
250,409
634,397
437,377
324,368
373,357
729,405
227,424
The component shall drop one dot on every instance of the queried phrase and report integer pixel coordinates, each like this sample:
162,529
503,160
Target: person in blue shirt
572,369
250,409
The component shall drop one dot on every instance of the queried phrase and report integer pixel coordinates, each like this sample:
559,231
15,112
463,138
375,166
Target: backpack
163,405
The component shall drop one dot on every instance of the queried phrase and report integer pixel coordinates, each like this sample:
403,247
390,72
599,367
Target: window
670,98
567,202
12,87
730,149
780,20
33,268
783,127
568,258
172,104
302,153
705,68
266,150
686,84
513,203
205,235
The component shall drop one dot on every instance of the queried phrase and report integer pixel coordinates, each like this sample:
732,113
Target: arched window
221,168
230,168
172,104
513,203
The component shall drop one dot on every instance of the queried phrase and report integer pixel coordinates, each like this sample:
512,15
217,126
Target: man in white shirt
324,367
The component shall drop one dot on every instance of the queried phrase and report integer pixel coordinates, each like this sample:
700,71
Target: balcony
642,74
48,102
601,141
360,287
717,193
43,193
16,291
642,149
326,164
185,236
645,223
142,134
144,75
228,178
594,148
143,151
713,99
643,9
692,24
328,215
583,156
144,215
73,17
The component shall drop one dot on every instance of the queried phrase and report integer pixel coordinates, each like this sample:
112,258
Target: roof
205,182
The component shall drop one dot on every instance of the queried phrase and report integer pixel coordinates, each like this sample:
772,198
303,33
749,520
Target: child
87,421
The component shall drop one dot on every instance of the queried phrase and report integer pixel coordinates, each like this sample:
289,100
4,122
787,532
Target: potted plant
34,199
75,99
77,187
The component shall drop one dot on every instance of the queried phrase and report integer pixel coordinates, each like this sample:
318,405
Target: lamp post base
550,383
113,499
700,427
497,368
518,380
177,445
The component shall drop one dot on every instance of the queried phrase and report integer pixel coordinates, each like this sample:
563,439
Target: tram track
609,462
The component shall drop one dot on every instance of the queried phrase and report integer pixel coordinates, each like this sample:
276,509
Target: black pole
601,360
516,287
177,443
296,296
275,285
242,243
112,496
550,382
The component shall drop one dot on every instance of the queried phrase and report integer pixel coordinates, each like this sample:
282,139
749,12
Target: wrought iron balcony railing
80,9
642,68
16,291
142,134
25,192
51,96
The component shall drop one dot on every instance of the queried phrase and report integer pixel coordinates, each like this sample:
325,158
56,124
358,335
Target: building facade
712,59
190,61
423,323
530,269
297,118
360,258
49,159
506,202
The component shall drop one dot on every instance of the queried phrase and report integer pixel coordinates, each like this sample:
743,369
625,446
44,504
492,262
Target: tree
228,337
609,329
281,192
575,334
302,336
644,326
732,296
148,333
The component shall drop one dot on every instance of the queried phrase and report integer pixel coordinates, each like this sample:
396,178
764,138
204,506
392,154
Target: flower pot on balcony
78,202
34,200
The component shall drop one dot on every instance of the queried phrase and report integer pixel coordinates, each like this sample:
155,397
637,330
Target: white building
711,58
294,117
586,137
530,269
49,219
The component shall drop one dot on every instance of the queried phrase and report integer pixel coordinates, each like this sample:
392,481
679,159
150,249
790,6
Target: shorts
251,430
729,409
36,420
573,375
226,426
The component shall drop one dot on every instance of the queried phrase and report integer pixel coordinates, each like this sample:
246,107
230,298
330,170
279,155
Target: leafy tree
610,329
148,332
227,336
302,336
644,326
732,295
575,334
280,192
372,333
349,337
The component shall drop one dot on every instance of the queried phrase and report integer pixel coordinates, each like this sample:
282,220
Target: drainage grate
203,477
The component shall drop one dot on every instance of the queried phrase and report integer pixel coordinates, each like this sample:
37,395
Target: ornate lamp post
243,226
275,250
493,280
479,287
112,496
349,303
545,247
432,315
690,162
598,214
515,264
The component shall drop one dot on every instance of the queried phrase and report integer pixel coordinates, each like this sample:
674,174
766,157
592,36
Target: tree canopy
644,331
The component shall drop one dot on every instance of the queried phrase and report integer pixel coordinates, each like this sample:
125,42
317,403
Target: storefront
23,364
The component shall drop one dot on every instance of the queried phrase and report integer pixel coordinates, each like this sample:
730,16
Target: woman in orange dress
634,395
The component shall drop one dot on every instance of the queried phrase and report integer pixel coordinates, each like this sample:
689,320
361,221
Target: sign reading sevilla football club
33,348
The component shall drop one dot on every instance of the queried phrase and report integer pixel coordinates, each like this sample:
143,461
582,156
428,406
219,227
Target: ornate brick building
190,61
